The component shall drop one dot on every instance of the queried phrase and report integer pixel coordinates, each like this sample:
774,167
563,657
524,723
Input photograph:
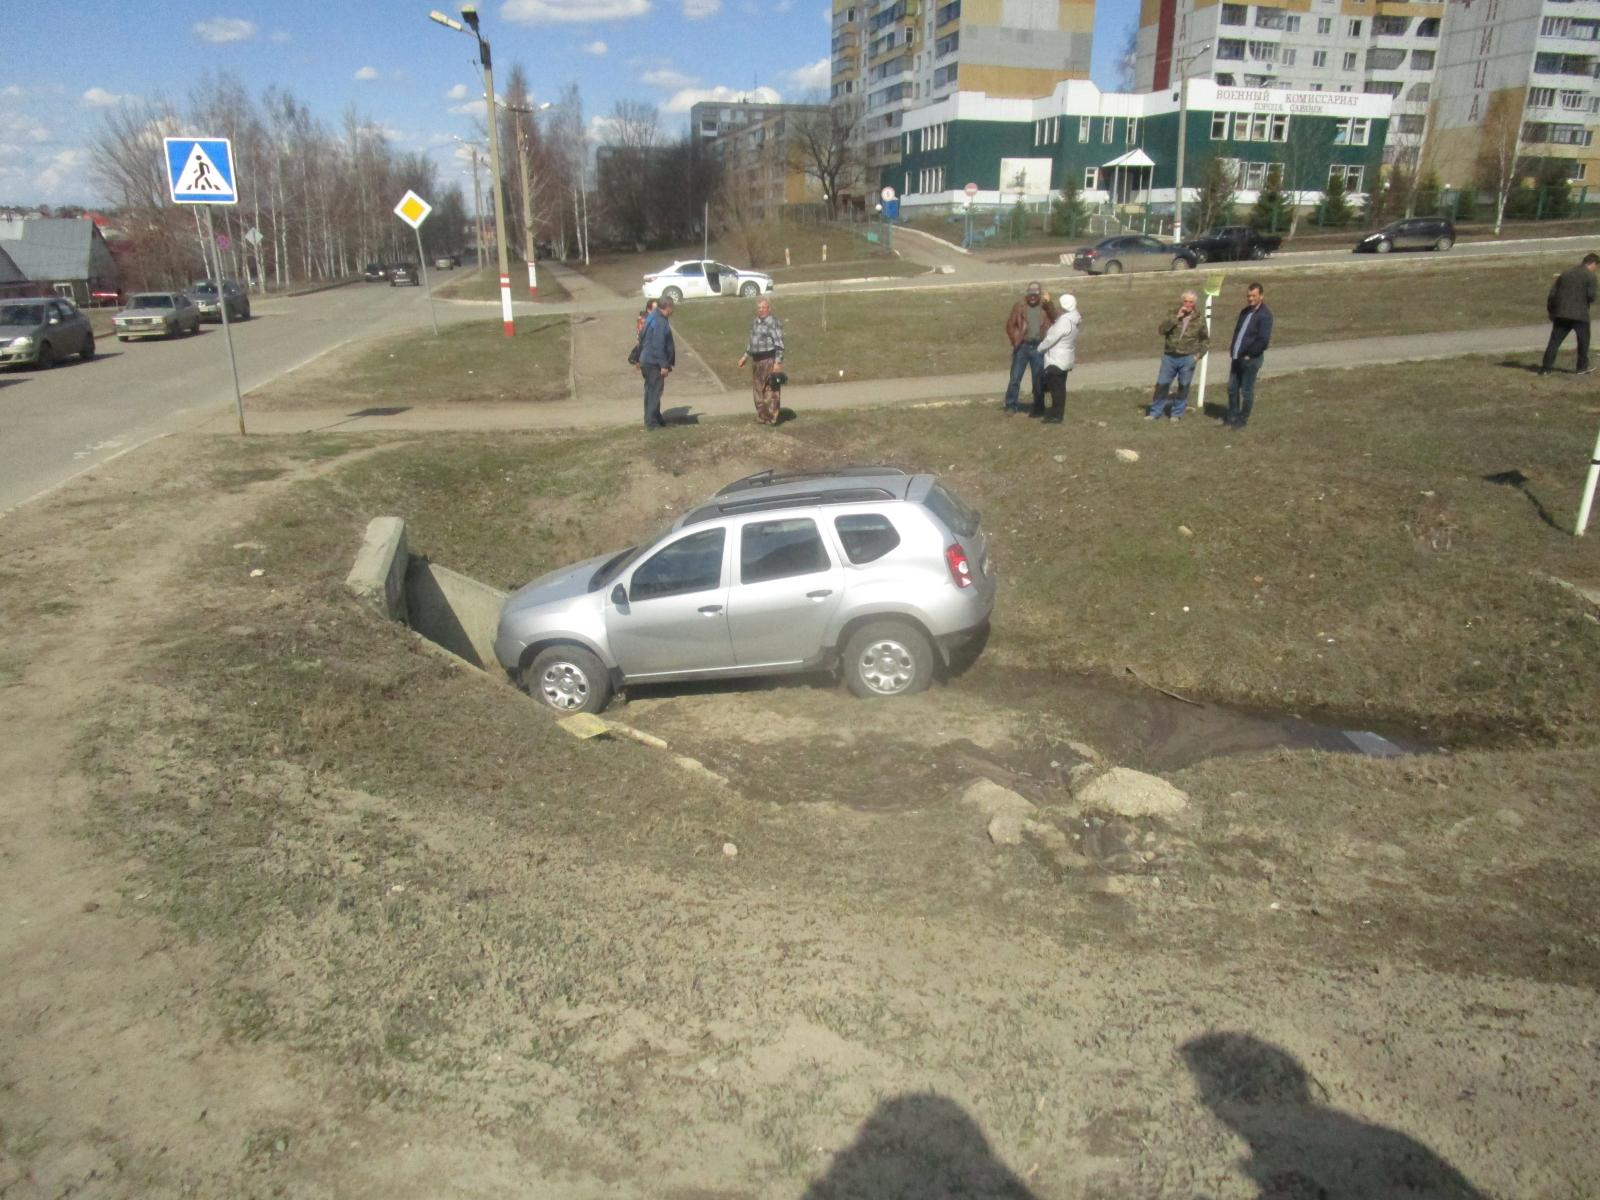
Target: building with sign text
1122,147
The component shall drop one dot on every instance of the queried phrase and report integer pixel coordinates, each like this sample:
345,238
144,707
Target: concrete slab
379,573
454,610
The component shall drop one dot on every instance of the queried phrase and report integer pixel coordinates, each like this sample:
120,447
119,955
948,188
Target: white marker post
1213,290
200,171
1588,489
414,210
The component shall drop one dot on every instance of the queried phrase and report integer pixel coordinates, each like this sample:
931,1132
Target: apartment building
1517,78
753,145
1346,47
893,56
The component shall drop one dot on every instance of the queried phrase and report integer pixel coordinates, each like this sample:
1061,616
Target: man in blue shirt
657,357
1252,333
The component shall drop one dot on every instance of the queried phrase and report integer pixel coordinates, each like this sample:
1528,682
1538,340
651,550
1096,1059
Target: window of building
1230,49
948,44
1269,18
1131,137
1263,51
1352,176
1422,60
1410,123
1286,56
1047,132
1417,91
1384,59
948,13
932,179
1219,126
1324,24
1107,129
1355,27
936,137
1091,179
1224,79
1428,27
1541,97
944,75
1234,14
1553,27
1379,88
1390,26
1083,129
1319,58
908,144
1280,127
1350,61
1291,23
1313,87
1353,131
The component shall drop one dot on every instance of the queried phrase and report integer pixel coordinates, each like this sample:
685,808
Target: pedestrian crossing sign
200,171
413,210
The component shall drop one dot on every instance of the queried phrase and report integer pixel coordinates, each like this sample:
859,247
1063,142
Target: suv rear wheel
569,679
887,658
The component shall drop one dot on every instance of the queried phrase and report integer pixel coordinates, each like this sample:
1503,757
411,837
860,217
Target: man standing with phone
1252,333
1185,342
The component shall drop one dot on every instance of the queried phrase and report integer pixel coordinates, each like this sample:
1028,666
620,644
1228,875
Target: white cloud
542,12
602,129
668,78
62,168
686,99
221,30
367,73
827,17
97,97
11,92
460,92
596,48
467,108
812,77
699,10
281,35
783,6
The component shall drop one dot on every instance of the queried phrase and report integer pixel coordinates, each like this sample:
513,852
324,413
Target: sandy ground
557,981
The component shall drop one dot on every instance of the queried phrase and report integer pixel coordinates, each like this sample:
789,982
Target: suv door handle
819,594
710,609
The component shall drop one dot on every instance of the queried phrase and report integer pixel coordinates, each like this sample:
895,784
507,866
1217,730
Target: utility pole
1183,134
528,250
477,205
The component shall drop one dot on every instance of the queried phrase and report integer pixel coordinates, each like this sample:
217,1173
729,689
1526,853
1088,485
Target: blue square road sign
200,171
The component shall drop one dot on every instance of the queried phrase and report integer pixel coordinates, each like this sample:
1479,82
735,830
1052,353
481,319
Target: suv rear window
779,549
961,520
866,536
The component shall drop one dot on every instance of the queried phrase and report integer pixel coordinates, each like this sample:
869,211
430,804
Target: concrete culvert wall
454,610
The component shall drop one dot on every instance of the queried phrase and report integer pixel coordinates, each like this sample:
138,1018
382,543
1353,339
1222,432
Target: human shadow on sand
1300,1148
919,1146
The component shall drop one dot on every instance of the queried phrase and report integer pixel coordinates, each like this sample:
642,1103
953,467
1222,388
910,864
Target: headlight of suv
21,343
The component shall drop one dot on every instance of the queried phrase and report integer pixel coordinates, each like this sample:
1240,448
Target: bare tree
1127,77
1499,151
825,145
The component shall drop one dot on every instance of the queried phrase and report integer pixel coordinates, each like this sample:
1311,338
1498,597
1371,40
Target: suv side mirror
619,596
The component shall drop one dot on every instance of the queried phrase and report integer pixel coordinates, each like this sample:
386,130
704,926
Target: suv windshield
22,314
204,288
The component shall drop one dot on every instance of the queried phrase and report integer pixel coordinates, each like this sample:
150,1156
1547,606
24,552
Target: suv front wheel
569,679
887,658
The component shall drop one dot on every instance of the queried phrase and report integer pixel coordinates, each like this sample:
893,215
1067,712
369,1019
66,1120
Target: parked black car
1232,243
1412,233
404,273
1132,252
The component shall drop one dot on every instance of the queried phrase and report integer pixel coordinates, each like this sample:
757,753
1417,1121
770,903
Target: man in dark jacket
1252,333
1029,319
657,357
1568,305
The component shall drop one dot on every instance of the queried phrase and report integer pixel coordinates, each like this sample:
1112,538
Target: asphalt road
60,423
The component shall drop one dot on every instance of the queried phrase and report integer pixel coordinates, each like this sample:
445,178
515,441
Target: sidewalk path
622,407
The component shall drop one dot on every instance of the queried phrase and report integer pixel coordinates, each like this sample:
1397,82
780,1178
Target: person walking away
1029,318
657,357
1058,349
1568,305
764,352
1184,343
1252,334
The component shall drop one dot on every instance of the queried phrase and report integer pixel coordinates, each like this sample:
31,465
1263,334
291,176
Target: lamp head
469,14
447,22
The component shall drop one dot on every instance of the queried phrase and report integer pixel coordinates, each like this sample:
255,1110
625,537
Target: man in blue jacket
1252,333
657,357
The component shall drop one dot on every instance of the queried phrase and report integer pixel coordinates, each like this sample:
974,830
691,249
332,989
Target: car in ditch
41,331
1132,252
202,293
156,314
1232,243
703,277
881,575
1411,233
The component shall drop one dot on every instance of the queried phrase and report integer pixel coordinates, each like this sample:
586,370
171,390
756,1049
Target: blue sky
415,79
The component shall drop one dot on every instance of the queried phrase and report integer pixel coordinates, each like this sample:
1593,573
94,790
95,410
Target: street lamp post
1183,134
529,250
469,14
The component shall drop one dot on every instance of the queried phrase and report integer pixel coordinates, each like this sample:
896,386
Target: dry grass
468,283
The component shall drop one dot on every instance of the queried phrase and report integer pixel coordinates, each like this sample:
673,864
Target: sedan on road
40,332
1413,233
156,314
1132,252
203,295
703,277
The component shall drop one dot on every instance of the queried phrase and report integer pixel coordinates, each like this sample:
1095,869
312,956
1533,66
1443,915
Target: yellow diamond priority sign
413,210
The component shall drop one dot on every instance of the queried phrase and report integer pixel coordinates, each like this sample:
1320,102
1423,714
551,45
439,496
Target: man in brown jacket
1568,306
1029,319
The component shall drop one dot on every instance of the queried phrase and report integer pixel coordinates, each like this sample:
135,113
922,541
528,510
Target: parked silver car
42,331
868,569
156,314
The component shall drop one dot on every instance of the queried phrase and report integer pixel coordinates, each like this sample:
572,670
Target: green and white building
1123,147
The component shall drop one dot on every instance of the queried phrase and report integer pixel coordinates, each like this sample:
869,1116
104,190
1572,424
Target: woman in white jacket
1059,348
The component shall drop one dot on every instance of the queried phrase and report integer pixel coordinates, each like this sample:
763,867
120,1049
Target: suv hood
562,584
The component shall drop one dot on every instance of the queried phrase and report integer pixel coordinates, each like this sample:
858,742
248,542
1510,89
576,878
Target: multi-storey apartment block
892,56
1353,47
754,146
1517,83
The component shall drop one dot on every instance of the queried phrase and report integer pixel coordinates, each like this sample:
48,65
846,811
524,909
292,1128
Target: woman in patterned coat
764,353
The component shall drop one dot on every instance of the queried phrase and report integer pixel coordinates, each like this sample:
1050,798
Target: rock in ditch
992,800
1005,829
1130,793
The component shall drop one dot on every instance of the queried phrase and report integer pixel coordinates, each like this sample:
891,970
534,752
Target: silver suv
880,573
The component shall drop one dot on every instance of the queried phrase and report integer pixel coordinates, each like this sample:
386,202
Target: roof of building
49,247
9,271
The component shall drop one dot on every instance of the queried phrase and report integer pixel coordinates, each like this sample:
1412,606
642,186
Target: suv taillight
960,570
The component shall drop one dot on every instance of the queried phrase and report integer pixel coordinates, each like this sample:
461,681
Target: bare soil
291,905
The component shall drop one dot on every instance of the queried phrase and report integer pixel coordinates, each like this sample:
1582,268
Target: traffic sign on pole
413,210
200,170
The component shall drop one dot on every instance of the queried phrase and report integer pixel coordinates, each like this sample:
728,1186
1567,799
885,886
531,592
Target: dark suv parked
1413,233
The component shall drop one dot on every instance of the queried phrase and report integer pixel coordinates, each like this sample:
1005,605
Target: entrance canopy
1133,158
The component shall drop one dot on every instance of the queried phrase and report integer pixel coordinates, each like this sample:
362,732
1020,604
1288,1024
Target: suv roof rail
769,477
748,504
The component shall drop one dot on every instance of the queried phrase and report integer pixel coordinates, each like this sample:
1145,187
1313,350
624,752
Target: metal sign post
414,210
200,171
1588,489
1213,290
